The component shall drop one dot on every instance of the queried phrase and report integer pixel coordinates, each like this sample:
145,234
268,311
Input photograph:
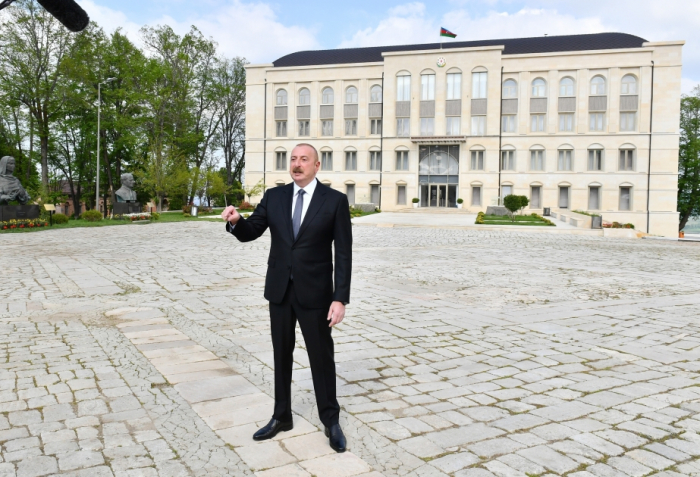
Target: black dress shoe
271,429
336,438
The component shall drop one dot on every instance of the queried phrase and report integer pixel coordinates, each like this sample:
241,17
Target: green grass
526,220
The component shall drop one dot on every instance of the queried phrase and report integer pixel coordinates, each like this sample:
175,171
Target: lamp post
97,179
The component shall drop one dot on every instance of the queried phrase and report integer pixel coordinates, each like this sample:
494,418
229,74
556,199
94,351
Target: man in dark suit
305,219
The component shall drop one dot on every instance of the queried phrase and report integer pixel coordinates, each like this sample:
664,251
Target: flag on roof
446,32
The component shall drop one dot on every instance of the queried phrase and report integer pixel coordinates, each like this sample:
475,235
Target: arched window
304,96
427,86
629,85
539,88
598,85
351,95
566,87
375,94
454,85
479,84
627,155
281,97
565,160
327,96
537,158
403,86
510,89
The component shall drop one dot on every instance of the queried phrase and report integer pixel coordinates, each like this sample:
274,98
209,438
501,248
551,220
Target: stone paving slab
464,353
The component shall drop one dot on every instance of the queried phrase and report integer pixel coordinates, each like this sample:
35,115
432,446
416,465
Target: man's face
303,165
128,182
10,168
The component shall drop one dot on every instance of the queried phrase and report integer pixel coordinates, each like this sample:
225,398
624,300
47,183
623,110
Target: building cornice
449,50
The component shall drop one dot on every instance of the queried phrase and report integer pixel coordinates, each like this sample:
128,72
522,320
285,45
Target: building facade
584,122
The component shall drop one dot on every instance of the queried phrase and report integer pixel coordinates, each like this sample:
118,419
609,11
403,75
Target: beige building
583,122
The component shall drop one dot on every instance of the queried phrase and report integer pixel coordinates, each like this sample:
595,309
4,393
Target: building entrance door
438,176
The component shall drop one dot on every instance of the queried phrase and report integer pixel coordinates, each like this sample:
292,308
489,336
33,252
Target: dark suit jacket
309,258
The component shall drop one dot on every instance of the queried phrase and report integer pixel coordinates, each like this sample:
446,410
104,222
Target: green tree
689,158
231,82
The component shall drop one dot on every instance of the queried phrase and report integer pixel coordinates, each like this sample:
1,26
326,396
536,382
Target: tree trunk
31,146
684,221
45,161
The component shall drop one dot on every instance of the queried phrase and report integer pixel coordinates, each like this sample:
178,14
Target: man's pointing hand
230,214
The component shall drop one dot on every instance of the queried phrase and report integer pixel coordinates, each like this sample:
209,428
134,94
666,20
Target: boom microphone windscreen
67,12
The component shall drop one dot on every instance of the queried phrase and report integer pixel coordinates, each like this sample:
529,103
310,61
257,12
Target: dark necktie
296,218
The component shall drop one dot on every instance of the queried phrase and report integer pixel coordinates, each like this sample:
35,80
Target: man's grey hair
127,174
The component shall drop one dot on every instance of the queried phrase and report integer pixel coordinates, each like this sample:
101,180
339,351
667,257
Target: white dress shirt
308,193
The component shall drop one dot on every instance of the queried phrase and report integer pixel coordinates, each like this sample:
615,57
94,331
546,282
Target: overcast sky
263,31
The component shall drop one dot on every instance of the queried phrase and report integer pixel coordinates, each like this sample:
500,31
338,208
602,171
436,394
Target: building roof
513,46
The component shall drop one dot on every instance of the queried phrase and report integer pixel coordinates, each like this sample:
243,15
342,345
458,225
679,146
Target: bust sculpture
10,187
126,191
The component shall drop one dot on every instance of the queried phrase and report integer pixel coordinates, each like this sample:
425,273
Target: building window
594,198
595,159
401,160
506,190
539,88
563,197
350,192
597,86
566,87
626,159
454,86
401,195
281,97
453,126
427,89
537,122
327,96
374,194
478,125
477,163
279,184
565,160
402,127
304,96
375,126
536,197
326,161
327,127
629,85
375,160
508,123
350,160
597,121
351,127
304,128
566,122
537,160
625,198
375,94
351,95
403,88
281,128
479,81
427,126
281,161
510,89
508,160
628,121
476,195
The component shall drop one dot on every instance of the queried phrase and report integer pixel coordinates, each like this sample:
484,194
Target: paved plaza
144,350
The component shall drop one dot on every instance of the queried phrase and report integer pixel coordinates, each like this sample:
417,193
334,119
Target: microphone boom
69,13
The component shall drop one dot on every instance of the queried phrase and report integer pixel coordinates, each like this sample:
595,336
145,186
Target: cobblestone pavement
145,351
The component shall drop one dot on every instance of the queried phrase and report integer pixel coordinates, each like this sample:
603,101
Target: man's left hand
336,313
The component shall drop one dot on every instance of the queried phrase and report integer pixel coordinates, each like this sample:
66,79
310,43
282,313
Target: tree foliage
515,203
171,113
689,158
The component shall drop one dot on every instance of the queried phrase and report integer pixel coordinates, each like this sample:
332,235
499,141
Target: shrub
460,201
415,200
91,215
60,219
175,203
155,215
514,203
187,209
480,218
245,205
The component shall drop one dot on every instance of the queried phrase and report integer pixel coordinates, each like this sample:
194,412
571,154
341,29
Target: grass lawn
526,220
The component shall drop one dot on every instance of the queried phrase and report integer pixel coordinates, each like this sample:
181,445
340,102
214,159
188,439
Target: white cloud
109,19
405,24
688,85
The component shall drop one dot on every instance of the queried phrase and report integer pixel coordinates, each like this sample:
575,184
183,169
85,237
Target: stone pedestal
9,212
496,210
121,208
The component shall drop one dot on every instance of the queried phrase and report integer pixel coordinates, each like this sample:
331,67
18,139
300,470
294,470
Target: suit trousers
319,346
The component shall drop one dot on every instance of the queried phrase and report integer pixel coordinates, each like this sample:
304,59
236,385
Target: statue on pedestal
10,187
126,192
